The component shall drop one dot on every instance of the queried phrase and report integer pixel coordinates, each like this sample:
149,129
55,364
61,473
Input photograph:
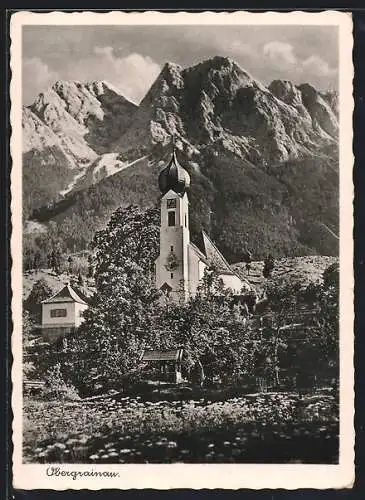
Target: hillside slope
263,160
303,270
66,129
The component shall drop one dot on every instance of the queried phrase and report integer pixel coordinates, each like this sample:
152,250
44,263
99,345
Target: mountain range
263,160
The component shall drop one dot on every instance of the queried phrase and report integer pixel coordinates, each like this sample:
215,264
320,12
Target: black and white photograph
182,248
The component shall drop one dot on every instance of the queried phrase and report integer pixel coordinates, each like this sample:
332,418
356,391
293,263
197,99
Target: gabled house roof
66,294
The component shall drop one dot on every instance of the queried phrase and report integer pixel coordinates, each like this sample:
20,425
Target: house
180,265
62,313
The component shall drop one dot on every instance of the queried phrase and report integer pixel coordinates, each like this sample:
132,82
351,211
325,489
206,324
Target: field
257,428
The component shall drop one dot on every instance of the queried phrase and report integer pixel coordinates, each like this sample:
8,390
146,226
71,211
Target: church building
181,264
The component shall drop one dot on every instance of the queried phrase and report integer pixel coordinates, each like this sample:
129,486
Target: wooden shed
167,362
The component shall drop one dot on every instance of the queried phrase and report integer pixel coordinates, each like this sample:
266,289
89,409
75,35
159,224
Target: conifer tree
40,291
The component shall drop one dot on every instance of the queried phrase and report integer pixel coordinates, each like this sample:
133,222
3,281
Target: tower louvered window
171,218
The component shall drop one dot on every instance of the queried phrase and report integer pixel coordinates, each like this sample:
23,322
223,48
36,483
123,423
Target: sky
131,57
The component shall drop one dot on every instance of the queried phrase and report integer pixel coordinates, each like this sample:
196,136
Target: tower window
172,276
171,218
171,248
185,219
171,203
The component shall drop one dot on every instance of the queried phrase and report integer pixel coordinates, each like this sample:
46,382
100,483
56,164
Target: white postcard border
232,476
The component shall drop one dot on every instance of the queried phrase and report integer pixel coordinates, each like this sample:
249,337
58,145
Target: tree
37,260
248,260
70,264
324,297
302,336
80,280
215,339
40,291
331,276
29,368
269,266
90,267
120,320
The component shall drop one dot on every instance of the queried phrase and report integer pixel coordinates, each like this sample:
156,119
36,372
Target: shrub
57,388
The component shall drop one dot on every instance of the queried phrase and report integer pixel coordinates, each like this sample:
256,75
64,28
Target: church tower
172,265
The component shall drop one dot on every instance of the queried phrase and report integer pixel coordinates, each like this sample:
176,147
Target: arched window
171,218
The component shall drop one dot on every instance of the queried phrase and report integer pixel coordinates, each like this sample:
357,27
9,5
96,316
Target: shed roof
158,355
66,294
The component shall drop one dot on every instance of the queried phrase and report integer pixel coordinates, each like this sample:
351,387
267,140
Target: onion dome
174,177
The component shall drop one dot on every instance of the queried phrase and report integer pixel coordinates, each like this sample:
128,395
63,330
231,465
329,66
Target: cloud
316,65
281,59
132,74
238,47
37,77
279,53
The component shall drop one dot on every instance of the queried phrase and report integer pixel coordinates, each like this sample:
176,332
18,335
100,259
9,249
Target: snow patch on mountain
105,166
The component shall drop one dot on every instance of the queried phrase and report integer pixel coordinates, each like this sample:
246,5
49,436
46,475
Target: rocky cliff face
85,117
217,103
260,157
68,128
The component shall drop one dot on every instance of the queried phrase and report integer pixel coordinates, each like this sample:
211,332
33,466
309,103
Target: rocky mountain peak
169,81
331,96
221,71
242,142
216,102
218,63
320,110
286,91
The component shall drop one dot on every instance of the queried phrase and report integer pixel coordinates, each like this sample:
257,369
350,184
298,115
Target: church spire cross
174,147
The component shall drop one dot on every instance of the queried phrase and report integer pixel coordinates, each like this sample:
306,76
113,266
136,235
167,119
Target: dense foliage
45,174
120,319
212,331
298,333
33,304
284,210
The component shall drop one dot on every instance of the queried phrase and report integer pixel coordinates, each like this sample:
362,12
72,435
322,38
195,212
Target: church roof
174,177
66,294
199,253
210,254
214,256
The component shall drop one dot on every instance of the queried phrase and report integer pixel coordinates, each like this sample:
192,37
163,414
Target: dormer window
171,218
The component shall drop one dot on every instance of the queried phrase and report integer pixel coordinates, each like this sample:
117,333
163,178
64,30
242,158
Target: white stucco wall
175,238
232,281
196,271
65,320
